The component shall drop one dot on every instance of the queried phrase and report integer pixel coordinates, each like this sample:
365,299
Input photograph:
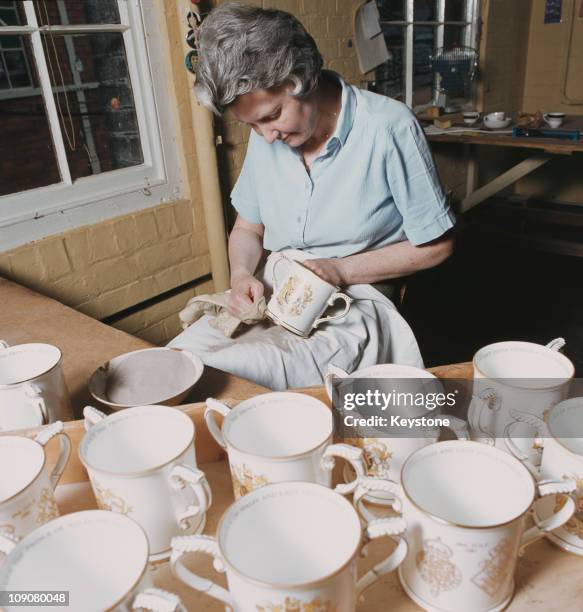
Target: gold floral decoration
107,500
47,507
377,455
436,567
496,569
295,605
245,481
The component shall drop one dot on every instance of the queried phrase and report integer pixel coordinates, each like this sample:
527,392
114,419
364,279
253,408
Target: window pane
390,78
455,10
93,93
424,10
392,10
453,36
75,12
12,13
16,68
27,155
423,46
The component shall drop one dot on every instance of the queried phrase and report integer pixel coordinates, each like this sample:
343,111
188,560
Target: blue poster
553,11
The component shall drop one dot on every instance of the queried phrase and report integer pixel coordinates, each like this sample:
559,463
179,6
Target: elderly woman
341,175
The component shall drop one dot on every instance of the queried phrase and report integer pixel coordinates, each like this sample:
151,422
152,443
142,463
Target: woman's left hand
329,270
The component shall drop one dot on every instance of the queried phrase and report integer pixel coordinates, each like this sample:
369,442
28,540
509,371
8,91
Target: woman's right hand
245,290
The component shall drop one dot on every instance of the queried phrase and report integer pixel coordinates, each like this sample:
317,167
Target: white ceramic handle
212,406
557,519
332,373
353,455
8,542
203,544
333,298
485,403
390,527
368,485
184,477
158,601
33,394
539,438
458,426
92,416
275,263
49,432
4,344
557,344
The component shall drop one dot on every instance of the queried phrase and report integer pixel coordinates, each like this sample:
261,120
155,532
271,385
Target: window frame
470,37
36,213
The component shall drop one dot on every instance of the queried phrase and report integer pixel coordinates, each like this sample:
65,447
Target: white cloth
372,332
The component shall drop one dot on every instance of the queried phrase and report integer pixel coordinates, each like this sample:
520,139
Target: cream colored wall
548,88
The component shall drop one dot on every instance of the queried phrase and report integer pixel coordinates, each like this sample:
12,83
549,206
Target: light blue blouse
374,184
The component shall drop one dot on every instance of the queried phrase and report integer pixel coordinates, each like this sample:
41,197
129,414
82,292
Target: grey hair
243,48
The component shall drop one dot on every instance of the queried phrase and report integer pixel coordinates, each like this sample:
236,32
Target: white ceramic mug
32,387
515,375
27,497
560,436
100,557
466,506
141,463
554,120
300,297
289,544
280,437
384,455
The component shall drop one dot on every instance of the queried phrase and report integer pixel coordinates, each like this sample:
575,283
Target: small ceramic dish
145,377
497,124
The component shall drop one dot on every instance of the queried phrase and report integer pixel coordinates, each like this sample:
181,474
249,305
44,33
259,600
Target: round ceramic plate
149,376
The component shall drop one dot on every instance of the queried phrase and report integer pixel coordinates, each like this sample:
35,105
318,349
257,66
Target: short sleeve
415,185
244,194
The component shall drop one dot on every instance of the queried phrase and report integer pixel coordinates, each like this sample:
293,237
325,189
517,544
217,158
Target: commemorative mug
466,506
99,557
511,376
27,497
290,545
280,437
32,387
300,297
386,451
560,436
554,120
141,463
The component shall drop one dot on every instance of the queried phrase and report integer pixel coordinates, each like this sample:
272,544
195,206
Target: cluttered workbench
540,151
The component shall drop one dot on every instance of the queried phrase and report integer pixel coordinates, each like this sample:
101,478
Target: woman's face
276,115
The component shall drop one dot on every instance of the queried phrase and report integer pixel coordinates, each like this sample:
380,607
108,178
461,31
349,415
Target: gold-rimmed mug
466,507
279,437
141,463
27,498
290,545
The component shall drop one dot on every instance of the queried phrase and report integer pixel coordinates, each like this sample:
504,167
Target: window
414,30
80,132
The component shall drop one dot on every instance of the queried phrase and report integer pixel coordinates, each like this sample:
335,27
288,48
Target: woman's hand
329,270
245,290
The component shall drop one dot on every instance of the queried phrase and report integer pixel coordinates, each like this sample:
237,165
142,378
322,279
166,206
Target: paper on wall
371,48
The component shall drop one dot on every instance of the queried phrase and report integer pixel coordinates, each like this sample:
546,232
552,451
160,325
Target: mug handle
49,432
557,519
157,600
92,416
33,394
212,406
458,426
558,343
377,528
4,344
279,259
485,403
332,373
209,546
331,300
539,438
183,476
8,542
353,455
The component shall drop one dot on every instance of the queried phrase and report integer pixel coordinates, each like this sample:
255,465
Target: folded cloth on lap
372,332
216,305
